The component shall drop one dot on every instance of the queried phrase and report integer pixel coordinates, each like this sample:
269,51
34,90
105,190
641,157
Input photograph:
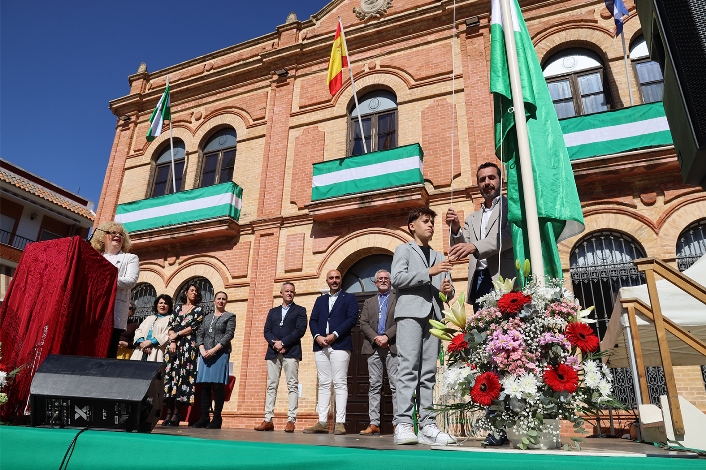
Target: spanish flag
338,60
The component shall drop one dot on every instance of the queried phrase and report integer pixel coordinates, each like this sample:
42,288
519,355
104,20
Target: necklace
210,326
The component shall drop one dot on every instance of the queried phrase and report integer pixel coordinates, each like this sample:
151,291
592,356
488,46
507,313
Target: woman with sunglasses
180,357
111,240
126,345
152,336
213,340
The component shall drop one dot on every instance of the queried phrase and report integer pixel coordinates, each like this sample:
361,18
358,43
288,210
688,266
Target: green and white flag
616,131
370,172
558,205
160,114
221,200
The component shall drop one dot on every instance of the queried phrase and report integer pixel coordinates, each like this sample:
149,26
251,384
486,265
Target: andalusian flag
337,62
558,204
160,114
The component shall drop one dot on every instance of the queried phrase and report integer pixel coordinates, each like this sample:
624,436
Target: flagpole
171,140
627,69
355,95
529,195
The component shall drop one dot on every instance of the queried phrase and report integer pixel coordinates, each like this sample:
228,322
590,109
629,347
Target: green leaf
578,446
566,447
442,296
540,417
525,440
577,439
522,446
532,433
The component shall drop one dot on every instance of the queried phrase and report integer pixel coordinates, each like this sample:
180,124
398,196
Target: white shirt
285,310
485,217
331,300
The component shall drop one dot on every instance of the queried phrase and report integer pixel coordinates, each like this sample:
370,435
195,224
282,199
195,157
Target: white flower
452,378
528,384
593,379
3,378
607,373
590,367
604,387
512,387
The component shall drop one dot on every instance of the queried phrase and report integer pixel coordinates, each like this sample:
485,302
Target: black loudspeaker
675,32
112,394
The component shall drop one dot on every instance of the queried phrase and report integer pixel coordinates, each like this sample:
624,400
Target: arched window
361,276
576,78
600,265
143,296
691,244
163,169
207,293
647,71
219,158
378,112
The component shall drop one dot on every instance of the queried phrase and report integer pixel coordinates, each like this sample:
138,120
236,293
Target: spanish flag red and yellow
338,60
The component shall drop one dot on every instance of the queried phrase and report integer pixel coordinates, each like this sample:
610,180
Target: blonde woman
111,239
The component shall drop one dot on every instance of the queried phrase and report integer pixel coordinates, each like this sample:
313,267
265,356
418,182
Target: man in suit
419,274
377,322
485,236
284,328
332,319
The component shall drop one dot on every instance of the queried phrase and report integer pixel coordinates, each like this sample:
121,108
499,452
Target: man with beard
487,239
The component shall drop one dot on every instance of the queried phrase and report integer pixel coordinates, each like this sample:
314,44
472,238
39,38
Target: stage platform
183,447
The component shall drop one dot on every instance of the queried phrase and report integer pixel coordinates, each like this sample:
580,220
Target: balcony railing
221,201
17,241
618,131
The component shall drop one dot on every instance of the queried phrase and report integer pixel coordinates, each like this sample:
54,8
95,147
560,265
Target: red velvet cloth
60,301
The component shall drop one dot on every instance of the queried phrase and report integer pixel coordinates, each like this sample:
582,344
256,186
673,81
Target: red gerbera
458,343
486,389
561,378
512,302
581,335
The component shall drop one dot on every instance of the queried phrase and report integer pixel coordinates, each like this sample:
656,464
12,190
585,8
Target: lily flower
503,286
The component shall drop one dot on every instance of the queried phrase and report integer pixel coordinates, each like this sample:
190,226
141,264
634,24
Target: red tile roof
37,190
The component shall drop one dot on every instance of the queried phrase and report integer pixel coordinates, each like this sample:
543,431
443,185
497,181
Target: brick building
259,114
34,209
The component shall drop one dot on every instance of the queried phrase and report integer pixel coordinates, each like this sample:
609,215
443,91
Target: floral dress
180,372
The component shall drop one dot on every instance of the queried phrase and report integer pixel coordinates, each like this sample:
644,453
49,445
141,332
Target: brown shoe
289,427
318,428
371,430
265,426
339,429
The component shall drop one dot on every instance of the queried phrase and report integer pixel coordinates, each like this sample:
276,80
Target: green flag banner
221,200
558,205
370,172
616,131
162,112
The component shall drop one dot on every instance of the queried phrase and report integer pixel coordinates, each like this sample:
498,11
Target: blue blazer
343,317
290,333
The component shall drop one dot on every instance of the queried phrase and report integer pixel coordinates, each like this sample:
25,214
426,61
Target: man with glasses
377,322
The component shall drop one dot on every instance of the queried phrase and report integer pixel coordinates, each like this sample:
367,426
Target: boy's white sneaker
404,434
431,435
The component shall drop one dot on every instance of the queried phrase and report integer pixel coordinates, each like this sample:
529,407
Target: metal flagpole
627,69
355,95
529,196
171,140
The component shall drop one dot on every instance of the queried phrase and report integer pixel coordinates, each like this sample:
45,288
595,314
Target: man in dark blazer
377,322
332,319
284,328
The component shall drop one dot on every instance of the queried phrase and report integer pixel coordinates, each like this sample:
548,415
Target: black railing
17,241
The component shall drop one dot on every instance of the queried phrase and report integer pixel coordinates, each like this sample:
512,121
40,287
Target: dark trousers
114,340
482,284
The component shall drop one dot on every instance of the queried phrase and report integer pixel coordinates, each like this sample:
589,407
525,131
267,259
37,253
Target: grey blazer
369,323
223,331
417,292
489,246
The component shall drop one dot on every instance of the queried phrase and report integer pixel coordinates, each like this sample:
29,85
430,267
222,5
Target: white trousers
332,366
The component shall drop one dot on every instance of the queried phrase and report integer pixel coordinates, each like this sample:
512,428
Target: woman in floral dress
182,354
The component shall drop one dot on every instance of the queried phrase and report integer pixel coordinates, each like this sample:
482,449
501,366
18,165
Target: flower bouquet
526,359
6,375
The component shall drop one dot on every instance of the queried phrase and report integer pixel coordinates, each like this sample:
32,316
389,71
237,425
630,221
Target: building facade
34,209
259,114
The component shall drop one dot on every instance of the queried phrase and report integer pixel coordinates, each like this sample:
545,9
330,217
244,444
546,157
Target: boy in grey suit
418,274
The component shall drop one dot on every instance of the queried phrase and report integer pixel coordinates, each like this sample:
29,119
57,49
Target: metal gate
601,264
143,296
207,294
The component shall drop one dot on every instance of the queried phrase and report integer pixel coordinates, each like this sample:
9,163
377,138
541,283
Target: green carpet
30,448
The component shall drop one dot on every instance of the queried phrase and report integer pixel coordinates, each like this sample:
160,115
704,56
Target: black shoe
215,423
492,441
202,422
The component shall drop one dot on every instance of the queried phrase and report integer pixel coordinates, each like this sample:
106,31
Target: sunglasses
114,234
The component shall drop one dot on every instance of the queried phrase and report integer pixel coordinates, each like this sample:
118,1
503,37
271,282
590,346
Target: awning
401,166
618,131
221,200
677,305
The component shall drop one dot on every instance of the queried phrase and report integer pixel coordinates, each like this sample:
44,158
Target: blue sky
61,62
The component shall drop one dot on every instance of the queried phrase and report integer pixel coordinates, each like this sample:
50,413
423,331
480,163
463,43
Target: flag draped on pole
160,114
337,62
618,11
558,205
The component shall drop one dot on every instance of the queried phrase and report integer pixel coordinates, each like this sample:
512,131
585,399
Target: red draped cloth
60,301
